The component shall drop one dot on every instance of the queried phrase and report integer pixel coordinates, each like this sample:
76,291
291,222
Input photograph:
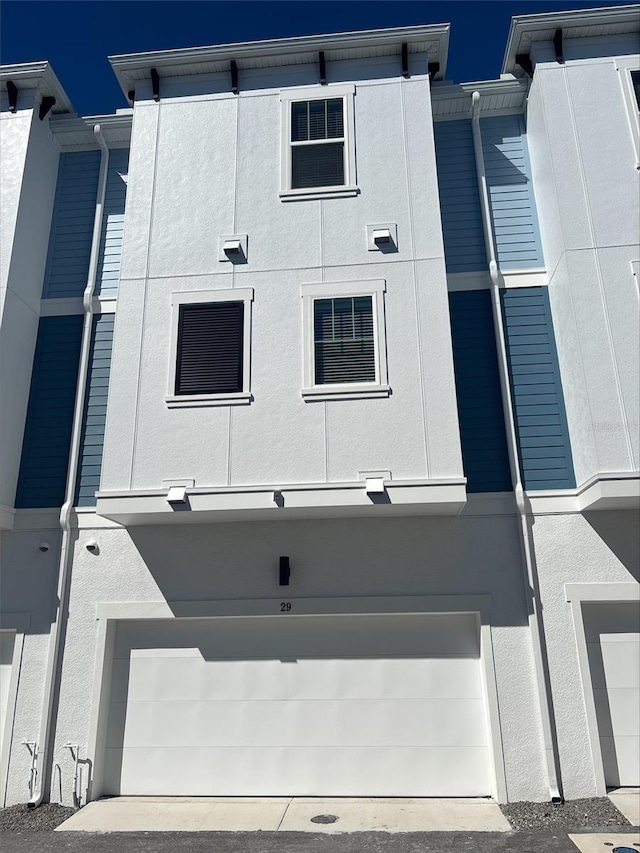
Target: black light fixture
285,571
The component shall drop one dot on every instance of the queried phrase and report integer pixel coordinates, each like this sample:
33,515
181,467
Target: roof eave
41,76
521,24
125,65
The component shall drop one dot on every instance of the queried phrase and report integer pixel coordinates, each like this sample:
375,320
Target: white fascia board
420,497
131,67
38,75
526,29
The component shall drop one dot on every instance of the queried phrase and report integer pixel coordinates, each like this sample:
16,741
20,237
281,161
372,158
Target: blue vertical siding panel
72,224
95,411
513,210
47,435
464,246
541,422
482,432
113,223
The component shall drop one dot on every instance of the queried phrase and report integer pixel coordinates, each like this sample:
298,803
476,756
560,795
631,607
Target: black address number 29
285,607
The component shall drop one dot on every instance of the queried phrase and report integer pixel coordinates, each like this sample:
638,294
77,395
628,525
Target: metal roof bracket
323,68
155,84
524,61
233,68
405,59
12,94
45,105
557,45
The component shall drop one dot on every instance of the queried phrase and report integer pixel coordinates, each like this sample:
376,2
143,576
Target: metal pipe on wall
56,637
528,561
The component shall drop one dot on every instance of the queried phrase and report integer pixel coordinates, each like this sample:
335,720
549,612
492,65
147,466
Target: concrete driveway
286,814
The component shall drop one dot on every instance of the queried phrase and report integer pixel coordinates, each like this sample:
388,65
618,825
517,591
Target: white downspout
54,660
526,540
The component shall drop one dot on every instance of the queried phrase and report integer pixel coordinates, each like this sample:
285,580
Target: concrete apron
286,814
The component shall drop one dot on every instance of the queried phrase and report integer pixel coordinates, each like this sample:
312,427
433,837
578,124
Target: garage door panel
621,759
194,679
304,771
617,711
613,618
335,706
329,723
621,661
320,636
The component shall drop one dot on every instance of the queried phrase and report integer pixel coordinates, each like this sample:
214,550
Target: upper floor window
318,148
317,144
210,348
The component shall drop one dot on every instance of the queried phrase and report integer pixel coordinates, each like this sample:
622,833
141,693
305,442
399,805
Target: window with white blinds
344,342
317,143
210,350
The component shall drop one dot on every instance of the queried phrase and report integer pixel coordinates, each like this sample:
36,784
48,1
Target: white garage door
299,705
613,643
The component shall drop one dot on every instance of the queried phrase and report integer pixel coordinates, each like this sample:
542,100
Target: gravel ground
573,814
23,819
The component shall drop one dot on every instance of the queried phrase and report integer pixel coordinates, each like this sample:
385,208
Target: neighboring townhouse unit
320,421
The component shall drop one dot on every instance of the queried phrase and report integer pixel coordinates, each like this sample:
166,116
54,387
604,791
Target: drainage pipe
528,560
56,637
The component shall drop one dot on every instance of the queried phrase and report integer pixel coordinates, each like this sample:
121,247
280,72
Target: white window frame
375,288
624,66
318,93
203,297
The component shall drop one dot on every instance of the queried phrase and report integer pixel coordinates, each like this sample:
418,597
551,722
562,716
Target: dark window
344,343
635,78
210,343
317,140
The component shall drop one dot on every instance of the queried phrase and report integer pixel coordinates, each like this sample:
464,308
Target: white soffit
582,23
452,99
432,39
40,76
72,130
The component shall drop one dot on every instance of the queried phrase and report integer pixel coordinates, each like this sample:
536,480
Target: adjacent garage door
387,705
613,645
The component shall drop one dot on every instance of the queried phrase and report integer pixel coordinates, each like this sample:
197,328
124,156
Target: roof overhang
582,23
451,100
40,76
72,131
431,39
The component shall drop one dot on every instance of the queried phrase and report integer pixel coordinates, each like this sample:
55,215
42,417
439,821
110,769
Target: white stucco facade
366,492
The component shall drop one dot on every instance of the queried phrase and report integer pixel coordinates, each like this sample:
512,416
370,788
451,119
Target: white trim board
576,594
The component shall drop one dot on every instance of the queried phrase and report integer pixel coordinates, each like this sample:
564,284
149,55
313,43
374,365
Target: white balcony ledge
251,503
605,491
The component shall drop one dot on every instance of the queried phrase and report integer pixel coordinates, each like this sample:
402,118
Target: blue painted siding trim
511,201
95,411
482,431
72,225
47,435
541,422
113,223
464,246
